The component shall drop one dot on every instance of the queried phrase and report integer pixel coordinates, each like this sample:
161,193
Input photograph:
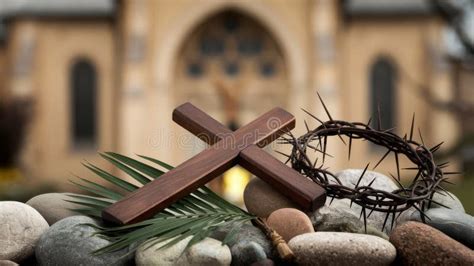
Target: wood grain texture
304,192
200,169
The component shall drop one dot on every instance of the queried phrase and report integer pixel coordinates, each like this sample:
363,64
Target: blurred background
78,77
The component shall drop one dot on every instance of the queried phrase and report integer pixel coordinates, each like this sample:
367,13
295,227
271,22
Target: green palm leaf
196,215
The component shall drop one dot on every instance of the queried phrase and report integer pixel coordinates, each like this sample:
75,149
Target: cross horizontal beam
302,191
198,170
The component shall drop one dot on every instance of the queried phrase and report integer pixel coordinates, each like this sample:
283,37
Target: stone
450,201
349,178
208,252
247,252
406,216
21,227
265,262
330,219
70,241
375,220
261,199
421,244
151,254
53,206
8,263
338,248
289,223
457,225
246,232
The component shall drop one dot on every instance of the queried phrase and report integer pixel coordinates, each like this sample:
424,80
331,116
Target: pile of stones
45,231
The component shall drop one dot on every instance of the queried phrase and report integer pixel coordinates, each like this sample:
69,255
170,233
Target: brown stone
289,222
420,244
261,199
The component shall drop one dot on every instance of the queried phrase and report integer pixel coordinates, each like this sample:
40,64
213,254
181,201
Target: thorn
310,114
332,199
365,220
436,202
398,165
412,126
368,122
393,220
422,214
410,168
324,149
324,106
339,135
362,175
396,180
386,218
452,173
388,130
286,155
383,157
371,211
315,162
435,148
350,147
371,182
447,182
421,137
306,125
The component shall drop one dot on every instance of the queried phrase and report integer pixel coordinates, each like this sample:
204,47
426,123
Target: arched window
383,93
83,84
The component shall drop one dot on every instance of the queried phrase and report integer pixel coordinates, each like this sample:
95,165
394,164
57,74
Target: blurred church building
105,75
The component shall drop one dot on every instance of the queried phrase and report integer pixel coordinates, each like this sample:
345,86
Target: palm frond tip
196,215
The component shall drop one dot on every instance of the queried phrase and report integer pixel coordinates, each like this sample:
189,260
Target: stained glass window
233,43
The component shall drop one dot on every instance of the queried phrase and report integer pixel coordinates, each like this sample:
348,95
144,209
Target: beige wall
139,93
58,44
168,26
407,42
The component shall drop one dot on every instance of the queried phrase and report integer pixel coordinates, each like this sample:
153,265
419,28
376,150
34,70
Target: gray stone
208,252
261,199
336,248
246,253
245,232
350,178
330,219
8,263
20,229
71,242
149,253
406,216
450,201
53,206
375,220
458,225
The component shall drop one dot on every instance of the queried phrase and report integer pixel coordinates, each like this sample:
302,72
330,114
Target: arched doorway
232,67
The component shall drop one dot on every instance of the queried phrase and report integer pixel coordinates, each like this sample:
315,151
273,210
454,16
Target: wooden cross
227,149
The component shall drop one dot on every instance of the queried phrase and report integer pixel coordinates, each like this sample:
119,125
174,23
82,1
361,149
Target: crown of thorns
419,194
